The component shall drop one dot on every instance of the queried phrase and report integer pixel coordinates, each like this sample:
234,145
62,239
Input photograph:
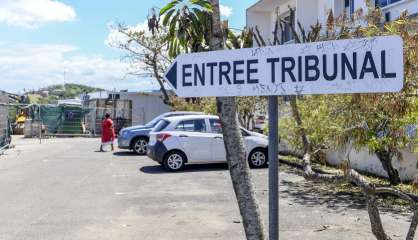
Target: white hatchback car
177,141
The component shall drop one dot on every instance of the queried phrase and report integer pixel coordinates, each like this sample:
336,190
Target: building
263,13
126,108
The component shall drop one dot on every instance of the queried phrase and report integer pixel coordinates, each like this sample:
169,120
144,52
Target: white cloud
115,38
32,13
35,66
226,11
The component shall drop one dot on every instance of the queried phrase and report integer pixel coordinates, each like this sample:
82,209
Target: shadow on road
125,153
158,169
312,194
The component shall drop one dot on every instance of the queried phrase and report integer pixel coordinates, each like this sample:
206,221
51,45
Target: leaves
168,16
188,24
169,6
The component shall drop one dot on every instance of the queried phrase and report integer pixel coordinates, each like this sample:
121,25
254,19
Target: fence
4,121
69,120
119,110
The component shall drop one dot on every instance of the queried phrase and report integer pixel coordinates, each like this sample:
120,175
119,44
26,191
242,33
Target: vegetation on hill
53,93
69,90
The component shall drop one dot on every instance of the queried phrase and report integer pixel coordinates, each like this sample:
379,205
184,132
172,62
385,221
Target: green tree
188,22
145,51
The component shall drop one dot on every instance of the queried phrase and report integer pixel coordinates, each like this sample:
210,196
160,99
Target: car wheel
174,161
139,146
258,158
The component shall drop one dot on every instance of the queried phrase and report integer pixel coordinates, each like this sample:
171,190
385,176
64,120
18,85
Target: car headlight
125,133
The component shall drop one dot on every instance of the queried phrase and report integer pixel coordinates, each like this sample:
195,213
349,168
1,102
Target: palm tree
188,22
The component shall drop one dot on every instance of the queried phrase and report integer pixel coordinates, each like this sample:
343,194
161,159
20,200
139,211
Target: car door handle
217,137
183,136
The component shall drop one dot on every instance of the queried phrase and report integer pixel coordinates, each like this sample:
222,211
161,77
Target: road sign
367,65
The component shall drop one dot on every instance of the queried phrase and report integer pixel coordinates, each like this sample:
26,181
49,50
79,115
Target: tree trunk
239,170
385,158
414,224
301,129
235,150
375,220
166,98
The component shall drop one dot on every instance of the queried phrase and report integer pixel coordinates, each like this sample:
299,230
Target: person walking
108,133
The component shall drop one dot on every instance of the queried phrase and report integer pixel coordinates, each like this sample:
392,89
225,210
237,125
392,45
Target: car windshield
161,125
153,122
245,132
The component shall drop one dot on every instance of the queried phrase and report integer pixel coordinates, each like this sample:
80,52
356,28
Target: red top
108,132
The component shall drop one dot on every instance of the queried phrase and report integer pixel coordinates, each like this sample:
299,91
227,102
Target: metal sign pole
273,152
40,122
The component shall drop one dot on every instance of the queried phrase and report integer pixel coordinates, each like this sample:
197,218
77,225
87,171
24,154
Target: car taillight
162,137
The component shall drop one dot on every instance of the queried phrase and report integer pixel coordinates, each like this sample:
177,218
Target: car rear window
161,125
197,125
215,125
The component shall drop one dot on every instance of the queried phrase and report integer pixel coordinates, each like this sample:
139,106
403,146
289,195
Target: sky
44,42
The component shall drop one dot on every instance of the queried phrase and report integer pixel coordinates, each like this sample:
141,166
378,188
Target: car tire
258,158
174,161
139,146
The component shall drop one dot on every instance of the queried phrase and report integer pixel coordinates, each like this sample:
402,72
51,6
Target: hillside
68,90
53,93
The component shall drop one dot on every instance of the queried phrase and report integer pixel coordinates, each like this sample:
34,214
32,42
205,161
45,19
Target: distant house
126,108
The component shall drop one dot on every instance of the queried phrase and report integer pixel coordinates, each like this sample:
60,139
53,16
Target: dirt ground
65,189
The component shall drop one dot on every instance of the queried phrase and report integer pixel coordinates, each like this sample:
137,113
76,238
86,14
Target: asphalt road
64,189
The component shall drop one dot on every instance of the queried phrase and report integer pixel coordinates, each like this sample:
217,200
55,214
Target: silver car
136,138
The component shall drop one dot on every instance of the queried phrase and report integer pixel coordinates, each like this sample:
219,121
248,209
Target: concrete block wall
364,161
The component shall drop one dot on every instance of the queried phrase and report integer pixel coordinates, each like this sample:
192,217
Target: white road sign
367,65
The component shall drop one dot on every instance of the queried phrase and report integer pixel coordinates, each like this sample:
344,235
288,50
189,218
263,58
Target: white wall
364,161
263,21
145,107
308,12
361,4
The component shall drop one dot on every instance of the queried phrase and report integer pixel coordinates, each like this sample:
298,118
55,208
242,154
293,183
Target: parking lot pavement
64,189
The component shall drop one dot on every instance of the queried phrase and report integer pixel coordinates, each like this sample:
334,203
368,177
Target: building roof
266,5
69,102
105,94
190,117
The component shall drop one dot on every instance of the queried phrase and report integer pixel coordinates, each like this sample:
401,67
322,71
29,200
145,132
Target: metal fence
4,122
65,120
119,110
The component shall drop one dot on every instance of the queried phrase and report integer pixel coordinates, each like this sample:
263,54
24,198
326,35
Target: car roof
189,117
183,113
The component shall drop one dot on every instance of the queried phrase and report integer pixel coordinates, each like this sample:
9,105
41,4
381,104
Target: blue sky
42,39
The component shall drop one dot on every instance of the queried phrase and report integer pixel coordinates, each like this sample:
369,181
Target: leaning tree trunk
385,158
235,150
166,98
